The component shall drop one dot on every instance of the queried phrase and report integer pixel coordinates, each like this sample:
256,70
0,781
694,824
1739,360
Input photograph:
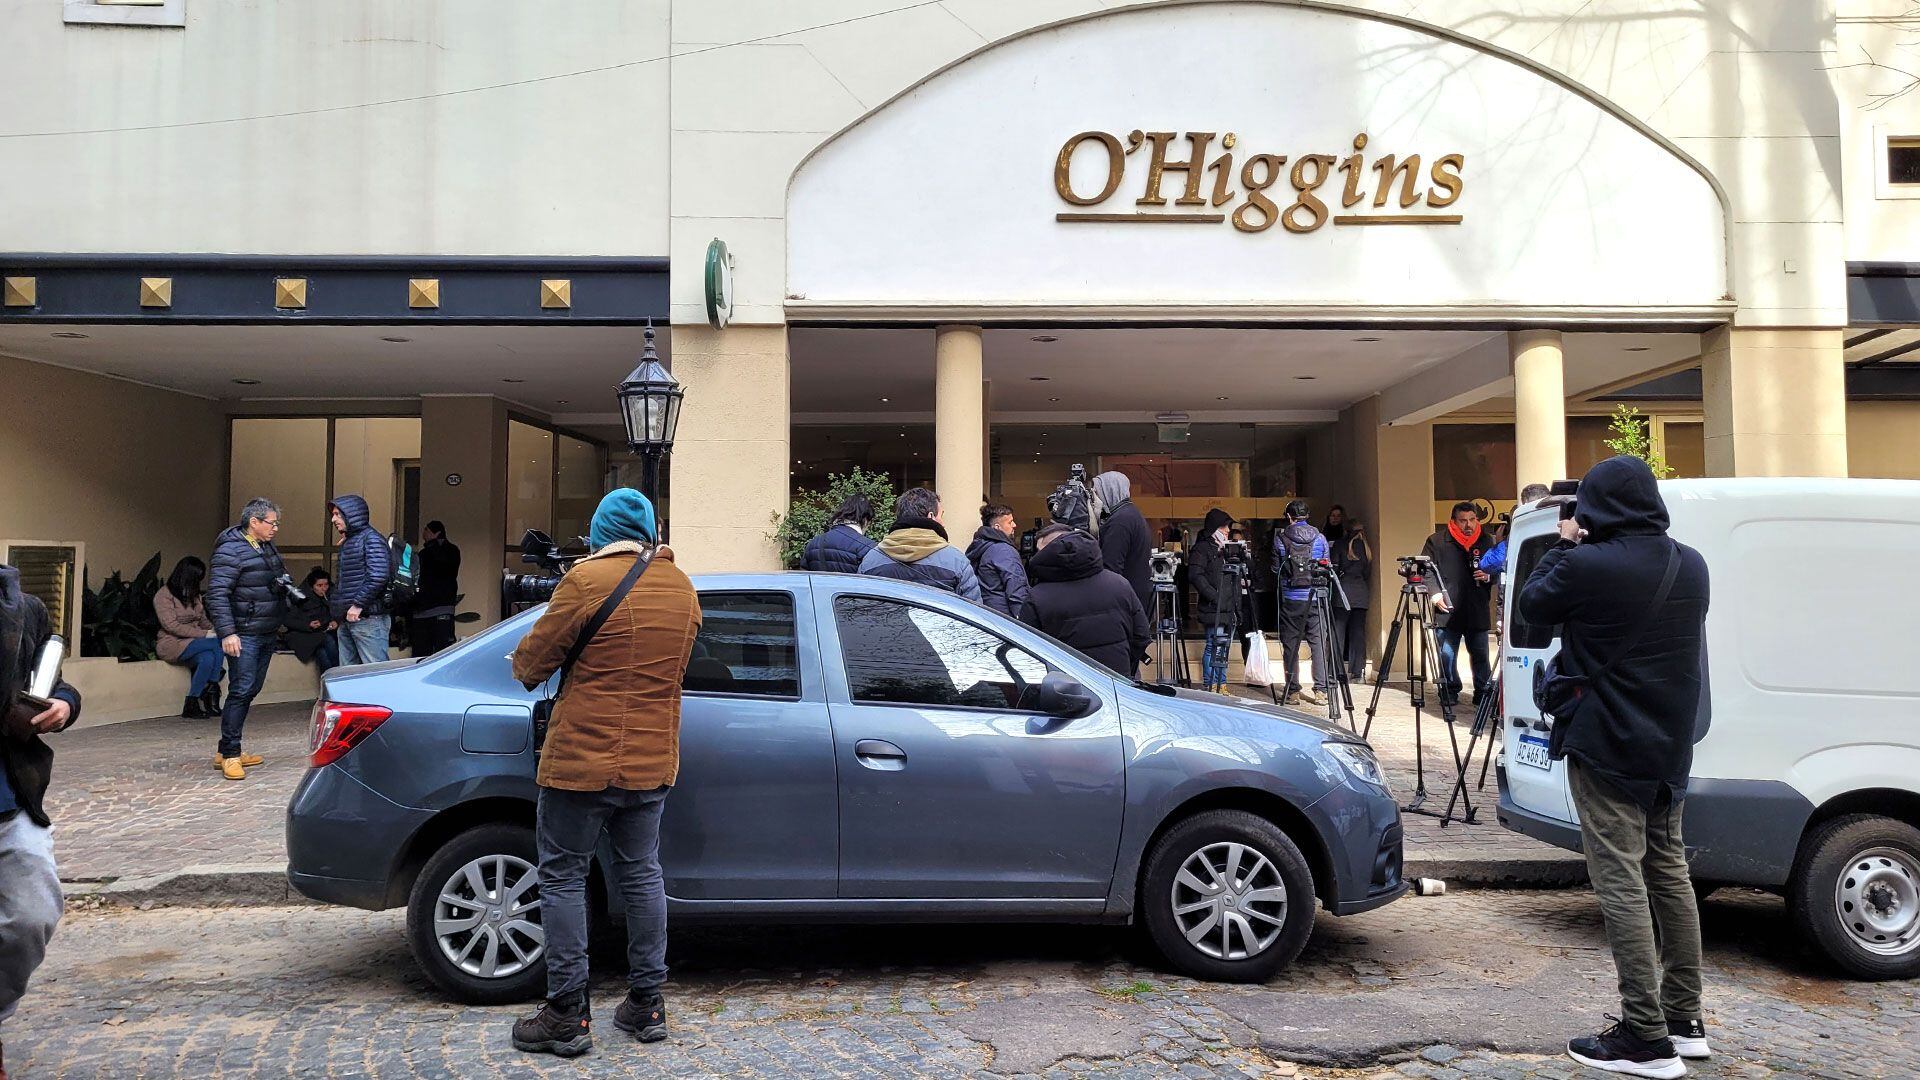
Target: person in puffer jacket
840,548
246,602
1078,600
366,565
1003,579
917,549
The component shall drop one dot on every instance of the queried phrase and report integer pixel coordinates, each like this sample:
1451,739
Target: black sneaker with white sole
1619,1050
1689,1038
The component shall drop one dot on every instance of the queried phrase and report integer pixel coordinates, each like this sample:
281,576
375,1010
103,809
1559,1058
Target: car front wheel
1855,893
473,921
1227,896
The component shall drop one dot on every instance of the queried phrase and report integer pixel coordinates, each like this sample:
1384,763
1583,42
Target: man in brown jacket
611,755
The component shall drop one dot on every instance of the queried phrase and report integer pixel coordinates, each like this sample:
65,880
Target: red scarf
1465,539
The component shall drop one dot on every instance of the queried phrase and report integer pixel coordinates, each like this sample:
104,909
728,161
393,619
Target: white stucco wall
1877,56
342,127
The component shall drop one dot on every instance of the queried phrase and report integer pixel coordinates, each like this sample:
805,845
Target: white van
1806,781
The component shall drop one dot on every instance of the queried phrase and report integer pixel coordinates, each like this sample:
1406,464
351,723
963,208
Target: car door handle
880,754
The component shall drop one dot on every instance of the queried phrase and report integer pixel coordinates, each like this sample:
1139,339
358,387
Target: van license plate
1532,751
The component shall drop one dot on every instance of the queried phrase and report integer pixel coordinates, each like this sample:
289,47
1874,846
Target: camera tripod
1423,649
1339,689
1486,724
1169,649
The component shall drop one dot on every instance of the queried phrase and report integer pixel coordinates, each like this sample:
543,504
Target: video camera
539,549
1234,554
1162,565
284,583
1565,495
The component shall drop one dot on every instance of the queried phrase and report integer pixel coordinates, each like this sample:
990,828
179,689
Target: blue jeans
1213,661
1450,662
203,655
326,655
249,675
568,828
365,641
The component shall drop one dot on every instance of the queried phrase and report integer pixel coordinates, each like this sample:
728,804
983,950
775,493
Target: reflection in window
902,654
1523,634
746,646
529,481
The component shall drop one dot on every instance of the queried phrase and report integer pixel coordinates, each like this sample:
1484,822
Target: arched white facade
1532,199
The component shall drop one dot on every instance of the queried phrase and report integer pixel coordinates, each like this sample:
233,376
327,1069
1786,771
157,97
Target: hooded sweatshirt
1077,600
1645,710
1003,580
1125,540
366,563
917,550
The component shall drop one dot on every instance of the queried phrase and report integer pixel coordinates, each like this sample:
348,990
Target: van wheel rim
487,918
1877,899
1229,901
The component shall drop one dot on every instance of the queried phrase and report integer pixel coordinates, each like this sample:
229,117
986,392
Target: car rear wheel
473,920
1227,896
1855,893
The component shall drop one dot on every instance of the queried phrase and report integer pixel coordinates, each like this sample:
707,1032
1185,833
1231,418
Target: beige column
731,456
1539,406
986,438
959,421
466,437
1775,402
1392,475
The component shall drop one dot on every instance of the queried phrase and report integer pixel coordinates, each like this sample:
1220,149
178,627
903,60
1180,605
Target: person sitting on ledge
310,629
186,636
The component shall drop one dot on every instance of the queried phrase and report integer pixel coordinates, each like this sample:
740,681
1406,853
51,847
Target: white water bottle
46,669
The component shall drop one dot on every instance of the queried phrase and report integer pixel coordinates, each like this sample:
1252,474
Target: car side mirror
1060,695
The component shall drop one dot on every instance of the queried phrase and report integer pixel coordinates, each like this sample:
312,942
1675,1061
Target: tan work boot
249,760
1311,696
232,768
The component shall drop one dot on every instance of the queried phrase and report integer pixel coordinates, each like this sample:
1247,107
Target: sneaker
642,1015
1619,1050
1689,1038
231,767
249,760
563,1027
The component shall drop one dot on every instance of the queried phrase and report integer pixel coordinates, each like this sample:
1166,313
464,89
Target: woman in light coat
186,636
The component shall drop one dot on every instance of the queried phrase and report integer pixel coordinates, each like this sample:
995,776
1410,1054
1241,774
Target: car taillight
338,728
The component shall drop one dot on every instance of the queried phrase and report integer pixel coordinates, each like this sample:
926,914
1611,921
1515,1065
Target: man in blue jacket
357,600
996,562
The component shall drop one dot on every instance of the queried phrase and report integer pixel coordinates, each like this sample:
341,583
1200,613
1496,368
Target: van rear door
1534,784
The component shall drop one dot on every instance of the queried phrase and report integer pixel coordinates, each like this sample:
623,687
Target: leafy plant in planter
118,619
811,510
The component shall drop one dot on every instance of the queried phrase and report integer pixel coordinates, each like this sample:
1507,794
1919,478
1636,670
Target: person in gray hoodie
917,549
1125,540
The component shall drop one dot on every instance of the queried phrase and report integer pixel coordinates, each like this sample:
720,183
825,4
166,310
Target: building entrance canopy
1261,161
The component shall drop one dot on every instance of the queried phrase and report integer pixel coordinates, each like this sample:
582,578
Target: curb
221,884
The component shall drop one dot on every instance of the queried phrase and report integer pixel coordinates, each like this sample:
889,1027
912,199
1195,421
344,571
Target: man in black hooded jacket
1076,599
1628,744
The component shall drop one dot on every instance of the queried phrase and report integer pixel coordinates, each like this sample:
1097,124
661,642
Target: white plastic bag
1259,667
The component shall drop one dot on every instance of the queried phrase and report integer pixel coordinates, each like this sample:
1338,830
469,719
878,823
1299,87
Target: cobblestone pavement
1480,983
142,798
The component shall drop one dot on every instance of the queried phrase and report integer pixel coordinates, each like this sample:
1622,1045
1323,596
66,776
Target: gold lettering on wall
1215,184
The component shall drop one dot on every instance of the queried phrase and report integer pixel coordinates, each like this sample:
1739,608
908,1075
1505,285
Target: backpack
1074,505
1295,569
404,582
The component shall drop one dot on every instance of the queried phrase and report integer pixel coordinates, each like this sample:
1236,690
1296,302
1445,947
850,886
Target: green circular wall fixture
719,284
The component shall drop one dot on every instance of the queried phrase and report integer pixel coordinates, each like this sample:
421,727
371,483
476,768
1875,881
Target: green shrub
1634,438
811,510
118,620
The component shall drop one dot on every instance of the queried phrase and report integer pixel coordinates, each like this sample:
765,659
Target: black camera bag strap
543,709
1559,695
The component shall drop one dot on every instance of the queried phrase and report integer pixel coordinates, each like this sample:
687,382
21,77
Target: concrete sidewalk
141,813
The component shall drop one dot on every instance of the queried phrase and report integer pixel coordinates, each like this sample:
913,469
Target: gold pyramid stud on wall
556,292
290,292
423,292
19,291
156,292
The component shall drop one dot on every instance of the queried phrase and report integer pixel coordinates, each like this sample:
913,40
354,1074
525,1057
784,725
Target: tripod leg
1386,662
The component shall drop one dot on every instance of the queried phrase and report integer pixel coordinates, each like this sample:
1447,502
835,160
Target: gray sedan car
854,749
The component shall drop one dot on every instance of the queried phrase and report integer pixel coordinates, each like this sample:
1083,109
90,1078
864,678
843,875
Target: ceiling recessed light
560,401
1304,378
70,335
246,382
1043,338
1638,348
1039,378
883,401
513,380
1054,399
1366,339
1221,398
397,340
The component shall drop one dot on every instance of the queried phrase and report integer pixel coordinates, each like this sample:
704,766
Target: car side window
902,654
747,646
1526,635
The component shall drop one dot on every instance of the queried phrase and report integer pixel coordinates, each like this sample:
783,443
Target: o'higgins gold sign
1363,198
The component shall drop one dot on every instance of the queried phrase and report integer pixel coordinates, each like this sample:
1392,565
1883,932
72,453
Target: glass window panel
1526,635
1903,161
901,654
1686,448
1586,445
746,646
578,486
529,480
1473,461
284,460
368,455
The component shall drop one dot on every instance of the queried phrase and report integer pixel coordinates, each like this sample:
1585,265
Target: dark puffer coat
1003,580
241,596
1637,725
26,759
1472,611
917,550
1125,542
366,562
836,551
1076,599
1204,568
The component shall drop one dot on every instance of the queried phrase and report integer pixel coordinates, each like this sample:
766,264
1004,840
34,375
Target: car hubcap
1229,901
1878,901
488,917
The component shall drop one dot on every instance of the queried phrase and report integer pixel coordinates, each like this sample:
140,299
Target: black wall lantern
650,408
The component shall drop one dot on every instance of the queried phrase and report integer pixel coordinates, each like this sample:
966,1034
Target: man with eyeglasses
246,599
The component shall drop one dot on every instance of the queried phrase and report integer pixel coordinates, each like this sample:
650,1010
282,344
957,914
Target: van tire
1200,833
483,842
1826,855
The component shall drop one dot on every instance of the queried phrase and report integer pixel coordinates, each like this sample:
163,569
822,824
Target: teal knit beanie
624,514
